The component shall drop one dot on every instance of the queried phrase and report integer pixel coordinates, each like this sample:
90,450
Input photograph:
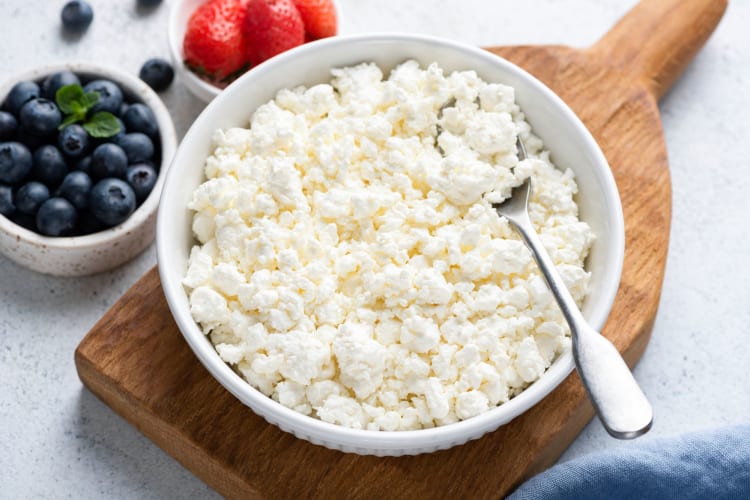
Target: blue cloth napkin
711,464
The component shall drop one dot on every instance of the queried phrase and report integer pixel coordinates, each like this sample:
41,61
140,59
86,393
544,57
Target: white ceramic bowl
179,13
97,252
563,133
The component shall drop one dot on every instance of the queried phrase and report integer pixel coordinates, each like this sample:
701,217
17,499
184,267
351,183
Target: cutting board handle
657,39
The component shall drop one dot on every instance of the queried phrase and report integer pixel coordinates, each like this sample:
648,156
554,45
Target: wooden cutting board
136,361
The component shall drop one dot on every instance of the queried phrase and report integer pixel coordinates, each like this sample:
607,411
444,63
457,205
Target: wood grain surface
136,361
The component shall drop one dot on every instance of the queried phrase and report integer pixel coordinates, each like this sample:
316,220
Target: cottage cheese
349,263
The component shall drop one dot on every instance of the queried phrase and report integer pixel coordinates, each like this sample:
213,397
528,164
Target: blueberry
76,188
108,160
6,200
8,125
110,95
56,216
157,73
55,81
83,164
142,178
137,146
76,15
30,197
40,116
112,201
15,162
20,94
73,140
140,118
49,165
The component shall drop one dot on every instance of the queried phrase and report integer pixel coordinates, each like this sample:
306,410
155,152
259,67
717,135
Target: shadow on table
130,460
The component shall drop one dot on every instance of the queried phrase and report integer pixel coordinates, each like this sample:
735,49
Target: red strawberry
271,27
319,17
214,42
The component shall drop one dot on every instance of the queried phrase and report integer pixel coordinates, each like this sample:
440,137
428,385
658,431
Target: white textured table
58,440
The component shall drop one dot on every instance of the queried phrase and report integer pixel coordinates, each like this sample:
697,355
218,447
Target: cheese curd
349,263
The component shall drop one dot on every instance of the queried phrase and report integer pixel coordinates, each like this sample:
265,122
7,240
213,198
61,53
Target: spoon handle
618,400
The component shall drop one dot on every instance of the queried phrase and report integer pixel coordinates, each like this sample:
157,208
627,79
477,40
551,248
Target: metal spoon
621,405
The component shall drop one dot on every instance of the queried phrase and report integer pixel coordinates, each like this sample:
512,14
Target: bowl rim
167,137
203,89
391,442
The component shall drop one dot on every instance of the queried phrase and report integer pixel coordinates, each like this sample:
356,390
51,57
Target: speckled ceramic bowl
97,252
179,13
562,132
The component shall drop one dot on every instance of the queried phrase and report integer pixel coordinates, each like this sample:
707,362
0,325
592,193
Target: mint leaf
75,103
69,120
76,108
70,99
91,99
102,124
77,114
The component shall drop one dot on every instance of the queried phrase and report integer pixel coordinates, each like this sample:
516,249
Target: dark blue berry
73,140
49,165
6,200
142,178
140,118
15,162
56,216
55,81
108,160
30,197
83,164
112,201
110,95
8,125
157,73
40,116
76,15
20,94
137,146
76,188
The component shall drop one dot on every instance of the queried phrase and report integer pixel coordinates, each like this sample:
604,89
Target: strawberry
271,27
214,43
319,17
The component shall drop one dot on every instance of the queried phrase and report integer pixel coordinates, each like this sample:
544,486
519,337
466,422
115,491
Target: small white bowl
179,14
563,133
96,252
